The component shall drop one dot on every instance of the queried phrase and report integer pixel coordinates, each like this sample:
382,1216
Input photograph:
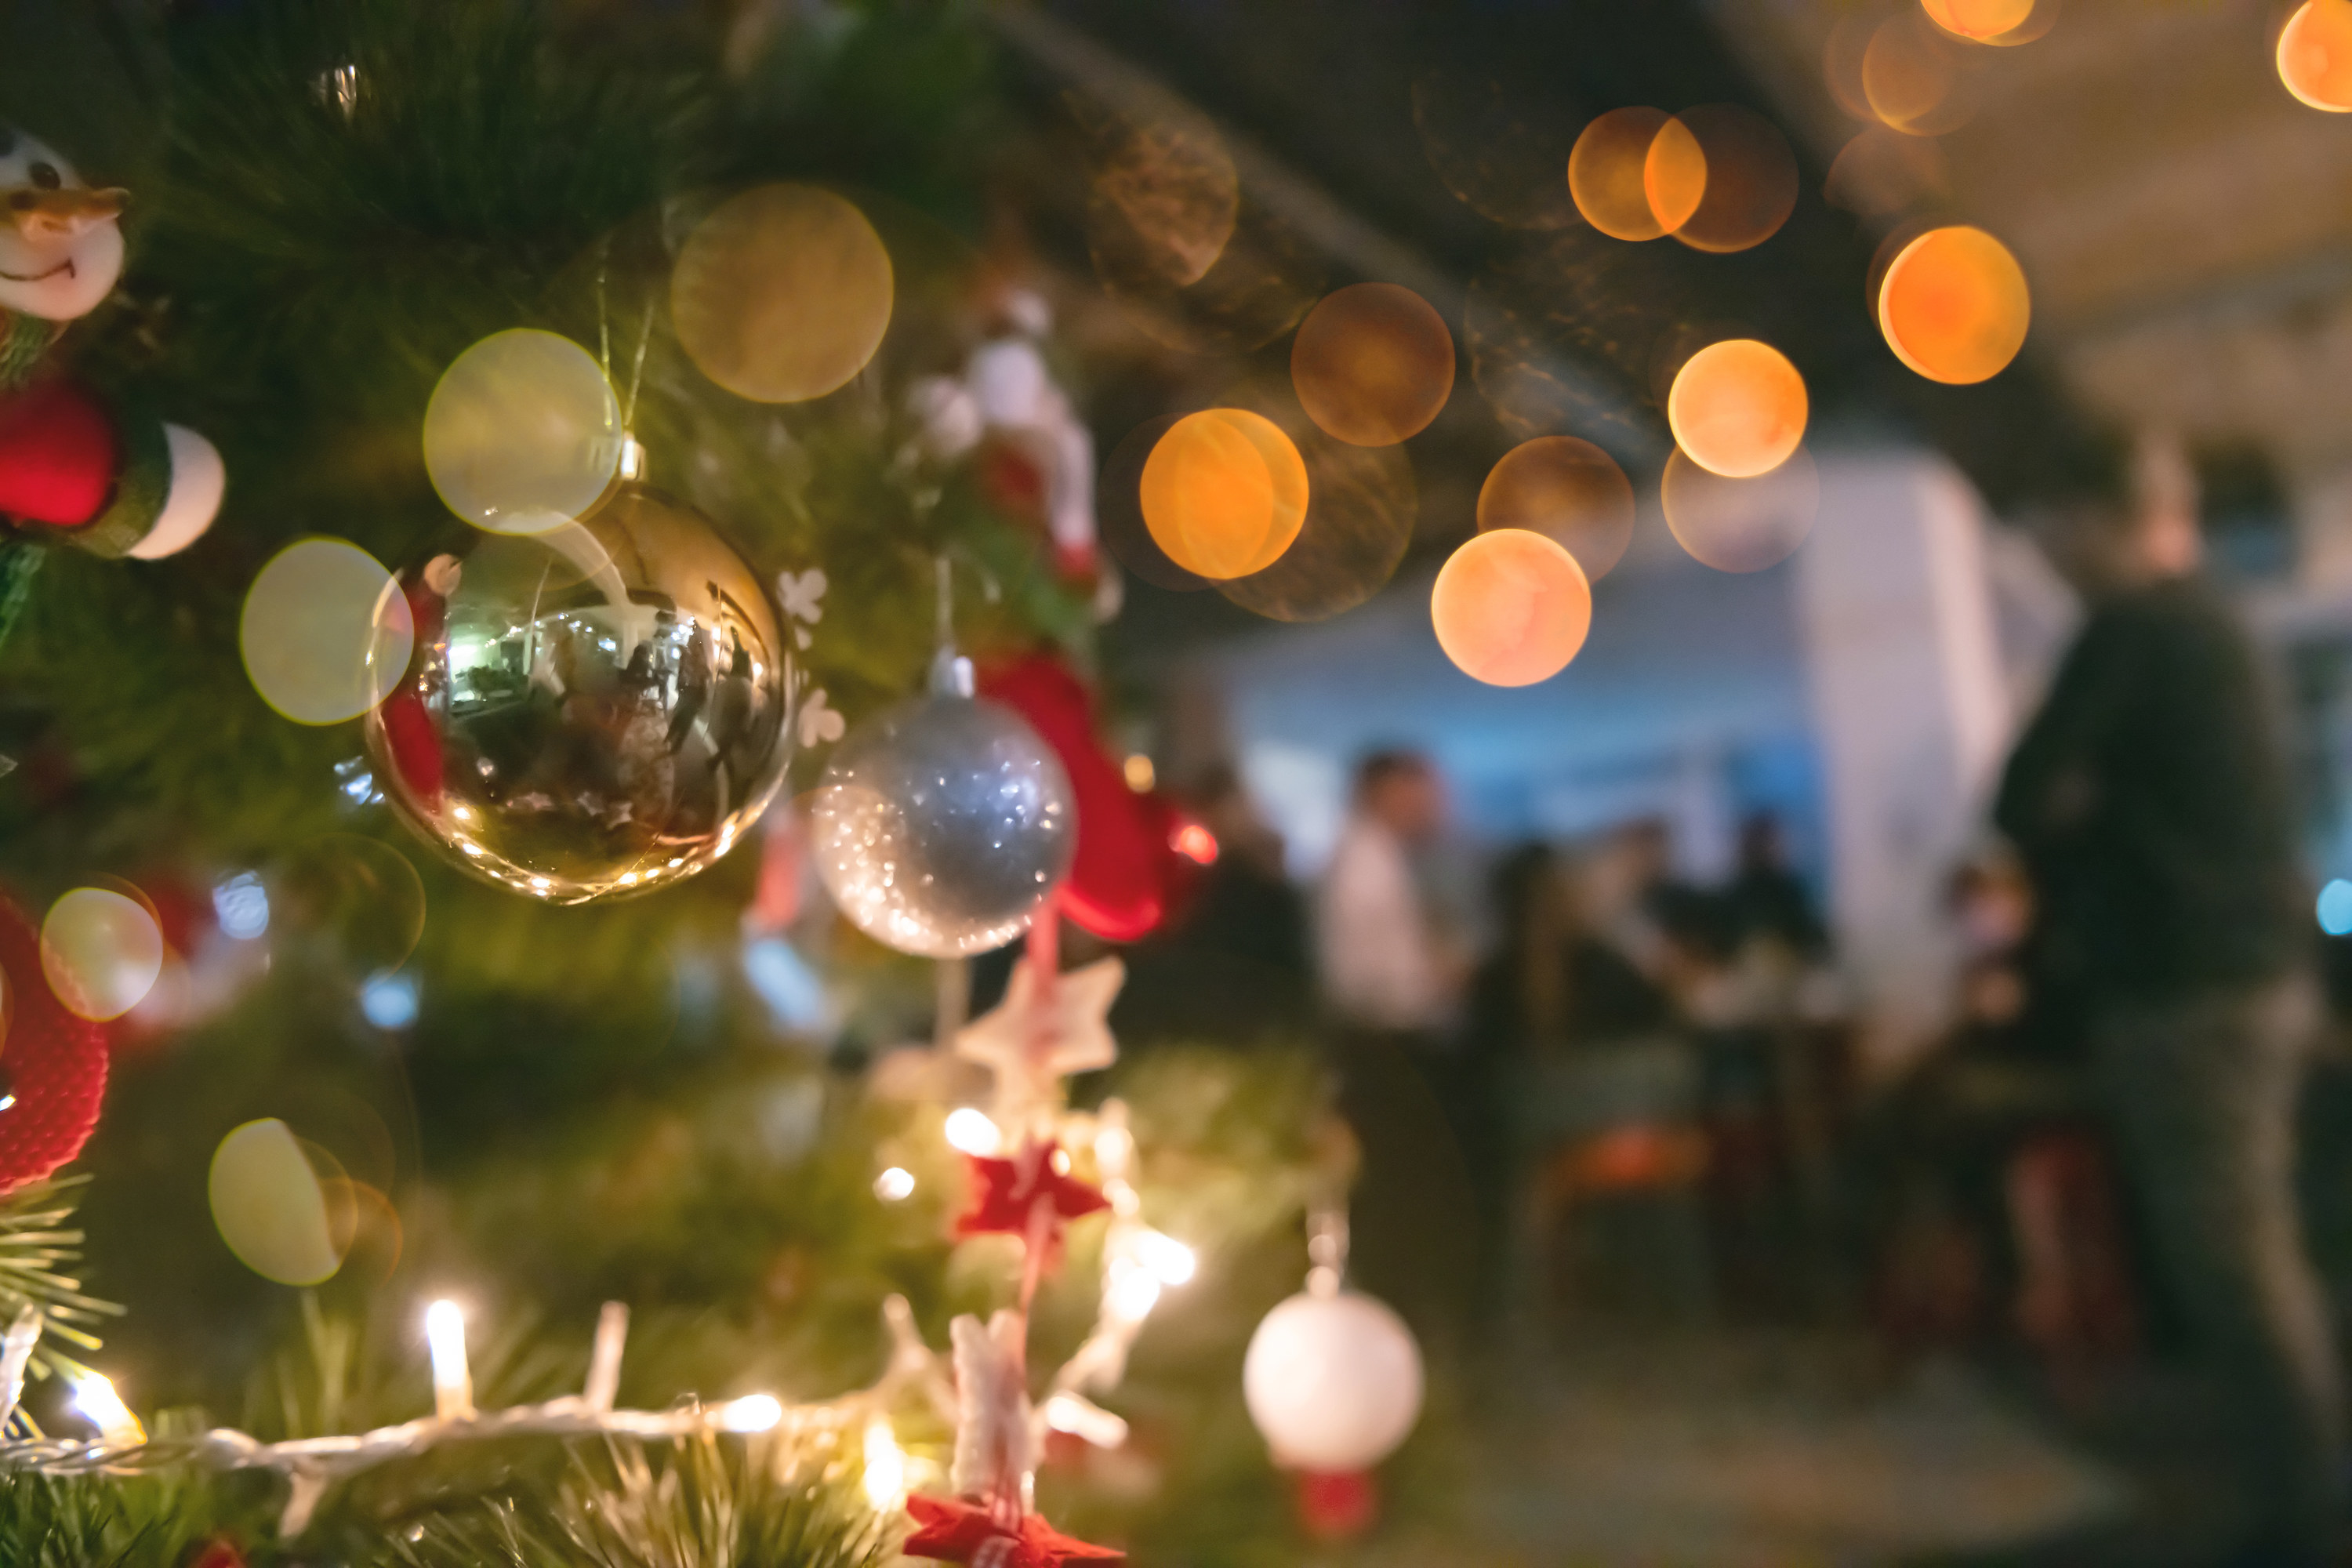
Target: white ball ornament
1333,1382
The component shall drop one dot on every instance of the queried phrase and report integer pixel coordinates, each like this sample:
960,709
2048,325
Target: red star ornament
1008,1196
960,1530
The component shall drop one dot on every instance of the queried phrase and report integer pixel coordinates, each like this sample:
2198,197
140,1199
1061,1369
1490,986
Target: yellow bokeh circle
2314,55
273,1207
1224,493
325,633
101,951
1372,365
524,433
1737,407
1954,305
1511,608
782,293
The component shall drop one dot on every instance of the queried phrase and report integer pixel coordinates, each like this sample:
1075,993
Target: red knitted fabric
54,1062
1118,886
58,455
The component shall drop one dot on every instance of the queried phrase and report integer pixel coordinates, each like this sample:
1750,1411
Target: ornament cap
951,675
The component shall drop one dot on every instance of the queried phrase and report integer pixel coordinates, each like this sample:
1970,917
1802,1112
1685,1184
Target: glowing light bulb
95,1398
886,1467
1171,1261
1132,1292
453,1381
752,1413
973,1132
894,1184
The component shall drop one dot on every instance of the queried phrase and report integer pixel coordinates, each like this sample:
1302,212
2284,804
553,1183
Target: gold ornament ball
592,711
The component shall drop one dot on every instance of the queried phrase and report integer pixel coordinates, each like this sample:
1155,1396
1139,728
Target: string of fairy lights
1139,1263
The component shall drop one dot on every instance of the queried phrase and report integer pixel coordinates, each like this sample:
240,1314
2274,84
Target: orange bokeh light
1372,365
1566,489
1912,80
1607,173
1954,305
2314,55
1882,170
1982,20
1737,408
1740,525
1721,178
1224,493
1674,175
1511,608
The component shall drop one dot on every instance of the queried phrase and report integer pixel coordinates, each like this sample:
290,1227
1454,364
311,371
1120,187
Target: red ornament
1025,1195
963,1529
58,455
53,1060
219,1552
1338,1505
1127,872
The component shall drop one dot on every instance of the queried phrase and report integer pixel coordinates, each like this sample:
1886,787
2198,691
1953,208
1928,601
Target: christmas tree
359,1079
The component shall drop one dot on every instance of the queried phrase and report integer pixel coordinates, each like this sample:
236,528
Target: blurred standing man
1382,963
1391,983
2151,802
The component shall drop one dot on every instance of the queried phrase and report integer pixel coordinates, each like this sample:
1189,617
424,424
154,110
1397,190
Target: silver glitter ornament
943,824
597,710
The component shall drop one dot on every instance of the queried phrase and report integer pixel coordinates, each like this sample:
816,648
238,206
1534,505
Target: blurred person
1767,899
1247,905
2150,800
1552,984
1391,983
1236,962
1384,963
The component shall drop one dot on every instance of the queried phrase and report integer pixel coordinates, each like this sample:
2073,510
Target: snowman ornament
76,468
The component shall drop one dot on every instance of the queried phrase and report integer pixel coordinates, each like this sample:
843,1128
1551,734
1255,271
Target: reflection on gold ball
1224,493
593,713
1567,490
323,631
1954,305
1373,363
1511,608
783,294
1737,408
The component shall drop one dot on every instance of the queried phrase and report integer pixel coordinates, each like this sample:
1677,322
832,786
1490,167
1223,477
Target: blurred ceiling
2186,223
1390,133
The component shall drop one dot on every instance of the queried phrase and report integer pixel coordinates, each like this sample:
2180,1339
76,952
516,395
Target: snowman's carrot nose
44,215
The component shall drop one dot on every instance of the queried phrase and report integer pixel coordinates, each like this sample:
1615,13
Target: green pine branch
697,1505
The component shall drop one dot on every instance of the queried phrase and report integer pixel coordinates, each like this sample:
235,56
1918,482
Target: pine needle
694,1507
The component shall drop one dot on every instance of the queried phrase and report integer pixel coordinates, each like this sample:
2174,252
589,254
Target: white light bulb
453,1382
752,1413
886,1467
94,1396
972,1131
1132,1291
1171,1261
894,1185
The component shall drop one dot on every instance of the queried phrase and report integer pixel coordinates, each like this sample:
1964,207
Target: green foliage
693,1506
34,1246
111,1521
